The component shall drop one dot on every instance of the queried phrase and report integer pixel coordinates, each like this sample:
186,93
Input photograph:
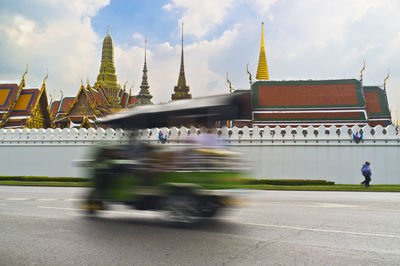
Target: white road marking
18,199
334,205
310,204
131,213
3,204
46,199
73,199
312,229
59,208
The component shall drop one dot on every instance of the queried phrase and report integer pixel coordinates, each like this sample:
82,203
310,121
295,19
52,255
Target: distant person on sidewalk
366,172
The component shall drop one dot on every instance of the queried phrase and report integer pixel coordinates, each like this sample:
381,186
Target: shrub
288,182
43,179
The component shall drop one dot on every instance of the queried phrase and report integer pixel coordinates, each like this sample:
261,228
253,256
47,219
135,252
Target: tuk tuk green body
186,180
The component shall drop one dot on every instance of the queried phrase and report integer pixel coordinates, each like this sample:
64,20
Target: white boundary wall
273,153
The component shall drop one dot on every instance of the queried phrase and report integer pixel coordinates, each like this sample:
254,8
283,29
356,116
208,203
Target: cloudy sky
305,39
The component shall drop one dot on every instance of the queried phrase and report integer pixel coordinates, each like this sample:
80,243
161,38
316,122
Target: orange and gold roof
8,93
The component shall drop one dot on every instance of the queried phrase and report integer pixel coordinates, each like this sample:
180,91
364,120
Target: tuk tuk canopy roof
197,111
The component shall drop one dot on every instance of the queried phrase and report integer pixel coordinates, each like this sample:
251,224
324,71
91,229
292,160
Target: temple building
105,97
312,102
181,90
22,107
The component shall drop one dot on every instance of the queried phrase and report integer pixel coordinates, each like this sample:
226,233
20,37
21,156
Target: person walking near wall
366,172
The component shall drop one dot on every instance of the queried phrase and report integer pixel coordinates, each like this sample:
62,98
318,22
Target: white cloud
64,43
138,37
261,6
200,17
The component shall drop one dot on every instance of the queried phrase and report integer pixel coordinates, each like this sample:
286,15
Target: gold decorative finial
44,81
248,72
262,68
362,70
384,82
87,80
229,82
108,29
23,84
82,82
125,85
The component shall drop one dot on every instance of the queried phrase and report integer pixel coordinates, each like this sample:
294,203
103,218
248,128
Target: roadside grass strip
262,184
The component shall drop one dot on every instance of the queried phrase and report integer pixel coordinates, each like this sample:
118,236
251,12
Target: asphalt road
43,226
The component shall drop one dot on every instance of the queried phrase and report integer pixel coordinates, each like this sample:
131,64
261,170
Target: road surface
43,226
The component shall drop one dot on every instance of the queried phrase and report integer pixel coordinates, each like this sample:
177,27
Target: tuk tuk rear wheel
182,208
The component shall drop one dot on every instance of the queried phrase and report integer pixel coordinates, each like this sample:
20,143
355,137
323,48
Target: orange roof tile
54,107
124,99
132,100
25,102
307,94
66,104
8,93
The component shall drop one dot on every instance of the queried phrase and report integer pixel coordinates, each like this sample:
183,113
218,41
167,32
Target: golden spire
181,90
262,68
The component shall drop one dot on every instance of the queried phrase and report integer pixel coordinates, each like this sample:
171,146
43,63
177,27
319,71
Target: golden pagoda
107,76
262,68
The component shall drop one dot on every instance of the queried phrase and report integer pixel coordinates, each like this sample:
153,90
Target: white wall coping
243,135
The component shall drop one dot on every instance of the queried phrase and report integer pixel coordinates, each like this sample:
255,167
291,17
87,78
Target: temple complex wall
273,153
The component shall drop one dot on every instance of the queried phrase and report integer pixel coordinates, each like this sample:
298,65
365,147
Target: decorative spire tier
107,74
181,90
144,96
262,68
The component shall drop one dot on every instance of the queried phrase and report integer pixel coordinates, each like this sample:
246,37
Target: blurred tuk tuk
187,180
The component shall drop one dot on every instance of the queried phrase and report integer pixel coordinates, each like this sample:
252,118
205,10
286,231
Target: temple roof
25,102
307,94
306,102
124,99
65,106
375,102
132,100
55,105
8,94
